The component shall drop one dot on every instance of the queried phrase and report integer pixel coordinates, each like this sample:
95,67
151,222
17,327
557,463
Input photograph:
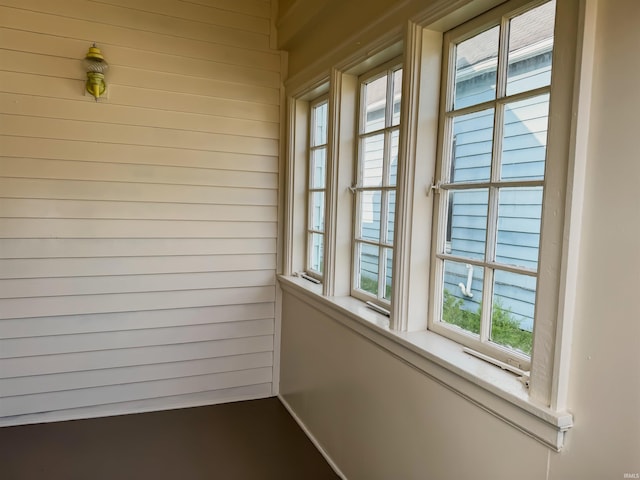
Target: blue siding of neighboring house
370,229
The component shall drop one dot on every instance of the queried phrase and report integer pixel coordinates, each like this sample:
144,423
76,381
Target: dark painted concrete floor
249,440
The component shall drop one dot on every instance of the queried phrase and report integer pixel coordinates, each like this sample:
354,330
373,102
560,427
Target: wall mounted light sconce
95,65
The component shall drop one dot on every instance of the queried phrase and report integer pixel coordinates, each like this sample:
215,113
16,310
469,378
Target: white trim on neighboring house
488,65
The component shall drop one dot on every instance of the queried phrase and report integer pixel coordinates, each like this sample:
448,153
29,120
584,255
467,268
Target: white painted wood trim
331,185
277,342
313,439
405,178
344,157
283,179
289,188
299,83
415,171
284,217
441,15
555,216
139,406
574,203
442,360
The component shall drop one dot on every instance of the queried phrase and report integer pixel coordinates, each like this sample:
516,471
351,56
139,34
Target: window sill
496,391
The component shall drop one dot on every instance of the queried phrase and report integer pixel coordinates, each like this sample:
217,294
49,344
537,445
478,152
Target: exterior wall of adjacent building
138,233
379,418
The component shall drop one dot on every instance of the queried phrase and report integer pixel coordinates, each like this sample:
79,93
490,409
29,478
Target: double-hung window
375,189
317,188
491,182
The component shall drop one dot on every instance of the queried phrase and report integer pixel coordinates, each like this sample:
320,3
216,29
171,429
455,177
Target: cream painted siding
137,234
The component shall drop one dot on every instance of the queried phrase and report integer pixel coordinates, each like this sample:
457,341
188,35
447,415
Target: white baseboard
312,438
235,394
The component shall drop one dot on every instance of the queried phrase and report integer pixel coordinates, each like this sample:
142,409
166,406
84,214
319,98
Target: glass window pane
389,273
393,166
467,230
375,102
530,49
372,157
476,67
514,298
316,252
518,238
317,211
462,295
391,216
472,147
524,146
318,168
397,95
319,133
368,268
370,203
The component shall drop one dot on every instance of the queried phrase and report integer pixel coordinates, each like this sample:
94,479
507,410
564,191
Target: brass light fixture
95,65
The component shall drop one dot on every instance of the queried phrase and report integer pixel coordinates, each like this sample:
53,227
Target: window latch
306,277
435,187
353,188
510,366
378,309
310,278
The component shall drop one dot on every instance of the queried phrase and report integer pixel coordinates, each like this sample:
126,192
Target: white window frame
386,70
312,148
489,264
541,411
550,263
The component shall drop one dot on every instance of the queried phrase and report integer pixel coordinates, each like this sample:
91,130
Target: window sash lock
435,187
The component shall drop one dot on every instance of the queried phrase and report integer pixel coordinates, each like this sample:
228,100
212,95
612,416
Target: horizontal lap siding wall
138,234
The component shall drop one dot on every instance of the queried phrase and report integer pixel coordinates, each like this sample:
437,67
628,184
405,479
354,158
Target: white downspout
466,289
